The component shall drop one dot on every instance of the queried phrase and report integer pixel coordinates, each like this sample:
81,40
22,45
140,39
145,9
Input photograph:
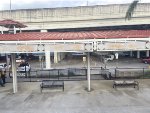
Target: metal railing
70,74
138,73
77,74
54,74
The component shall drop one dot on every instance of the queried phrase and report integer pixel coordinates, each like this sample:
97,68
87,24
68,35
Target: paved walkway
75,99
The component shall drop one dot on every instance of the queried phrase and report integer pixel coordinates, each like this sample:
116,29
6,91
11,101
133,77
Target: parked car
146,60
19,60
24,67
109,57
4,65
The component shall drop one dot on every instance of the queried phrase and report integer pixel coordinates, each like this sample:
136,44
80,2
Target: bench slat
126,83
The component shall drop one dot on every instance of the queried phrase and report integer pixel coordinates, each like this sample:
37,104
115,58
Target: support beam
20,30
131,53
88,72
59,56
55,57
14,72
47,59
138,54
14,30
147,53
2,30
62,55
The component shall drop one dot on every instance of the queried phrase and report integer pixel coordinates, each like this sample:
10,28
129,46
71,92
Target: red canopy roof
8,23
109,34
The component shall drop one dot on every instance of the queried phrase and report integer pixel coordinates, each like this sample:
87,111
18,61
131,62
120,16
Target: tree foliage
131,10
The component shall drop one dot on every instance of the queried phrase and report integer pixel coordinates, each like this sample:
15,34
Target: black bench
52,84
126,83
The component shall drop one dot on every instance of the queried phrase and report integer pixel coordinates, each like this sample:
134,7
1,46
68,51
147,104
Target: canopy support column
147,53
88,72
14,72
59,56
48,59
55,57
14,30
2,30
131,53
138,54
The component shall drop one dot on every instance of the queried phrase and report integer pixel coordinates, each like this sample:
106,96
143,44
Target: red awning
108,34
8,23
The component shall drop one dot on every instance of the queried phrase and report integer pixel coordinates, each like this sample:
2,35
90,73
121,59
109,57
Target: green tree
131,10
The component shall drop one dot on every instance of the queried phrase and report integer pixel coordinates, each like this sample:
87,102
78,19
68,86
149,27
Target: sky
30,4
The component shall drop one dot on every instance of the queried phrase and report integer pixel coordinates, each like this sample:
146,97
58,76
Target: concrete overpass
78,17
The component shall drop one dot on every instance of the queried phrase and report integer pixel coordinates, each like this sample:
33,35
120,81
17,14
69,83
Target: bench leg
134,85
137,87
114,86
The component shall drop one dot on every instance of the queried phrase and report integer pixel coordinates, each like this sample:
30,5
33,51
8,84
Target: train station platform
75,98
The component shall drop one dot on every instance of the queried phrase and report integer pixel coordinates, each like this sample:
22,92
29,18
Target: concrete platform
75,99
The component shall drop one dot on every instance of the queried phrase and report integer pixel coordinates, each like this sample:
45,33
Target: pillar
147,53
14,30
59,56
138,54
20,30
14,72
62,55
2,30
7,63
131,53
47,59
88,72
55,57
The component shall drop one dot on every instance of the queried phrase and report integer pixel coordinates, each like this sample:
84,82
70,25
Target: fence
97,73
77,74
52,74
100,73
137,73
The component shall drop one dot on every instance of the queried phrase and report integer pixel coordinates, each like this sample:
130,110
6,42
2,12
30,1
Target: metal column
147,53
14,72
131,53
88,72
48,59
8,62
55,57
2,30
59,56
138,54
